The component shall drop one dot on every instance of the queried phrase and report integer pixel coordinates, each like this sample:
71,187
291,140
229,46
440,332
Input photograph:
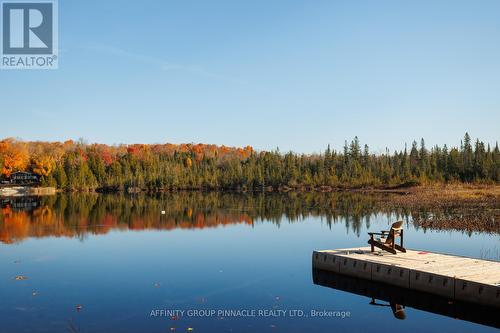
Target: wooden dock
454,277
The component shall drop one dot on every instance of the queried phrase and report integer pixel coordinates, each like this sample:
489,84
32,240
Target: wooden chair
389,243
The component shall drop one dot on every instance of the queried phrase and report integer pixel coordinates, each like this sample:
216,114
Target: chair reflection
398,310
399,299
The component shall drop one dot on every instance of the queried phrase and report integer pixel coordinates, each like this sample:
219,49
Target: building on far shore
21,177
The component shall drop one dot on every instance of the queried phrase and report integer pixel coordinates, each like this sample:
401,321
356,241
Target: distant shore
26,191
441,192
421,194
427,193
456,207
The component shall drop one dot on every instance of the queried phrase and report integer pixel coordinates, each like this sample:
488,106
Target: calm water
120,259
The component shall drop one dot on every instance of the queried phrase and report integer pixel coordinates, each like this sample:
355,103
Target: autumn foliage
78,166
14,156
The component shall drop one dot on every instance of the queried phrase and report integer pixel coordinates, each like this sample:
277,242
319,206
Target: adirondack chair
387,240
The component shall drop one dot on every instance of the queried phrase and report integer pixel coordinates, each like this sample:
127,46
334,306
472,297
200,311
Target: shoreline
429,192
20,191
436,194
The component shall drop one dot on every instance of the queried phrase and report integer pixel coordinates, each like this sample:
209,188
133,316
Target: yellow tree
42,165
14,156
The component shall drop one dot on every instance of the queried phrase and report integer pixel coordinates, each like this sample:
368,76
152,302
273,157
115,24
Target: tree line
75,166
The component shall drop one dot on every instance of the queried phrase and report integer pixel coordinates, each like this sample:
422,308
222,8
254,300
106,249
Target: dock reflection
398,299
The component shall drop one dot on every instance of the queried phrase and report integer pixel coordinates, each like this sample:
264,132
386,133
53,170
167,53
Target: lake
203,262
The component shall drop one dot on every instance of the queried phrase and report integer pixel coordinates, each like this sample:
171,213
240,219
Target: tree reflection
75,215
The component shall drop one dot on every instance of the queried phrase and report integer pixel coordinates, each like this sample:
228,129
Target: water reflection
208,251
76,215
397,299
398,310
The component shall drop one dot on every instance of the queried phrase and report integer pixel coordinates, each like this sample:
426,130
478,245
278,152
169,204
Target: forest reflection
76,215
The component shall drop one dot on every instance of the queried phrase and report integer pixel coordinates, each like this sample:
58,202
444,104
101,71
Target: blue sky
297,75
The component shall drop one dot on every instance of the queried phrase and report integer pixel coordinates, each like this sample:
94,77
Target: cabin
21,177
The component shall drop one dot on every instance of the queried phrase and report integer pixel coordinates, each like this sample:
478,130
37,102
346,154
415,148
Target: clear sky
297,75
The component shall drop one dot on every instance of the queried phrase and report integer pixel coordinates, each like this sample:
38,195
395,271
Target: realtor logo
29,35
